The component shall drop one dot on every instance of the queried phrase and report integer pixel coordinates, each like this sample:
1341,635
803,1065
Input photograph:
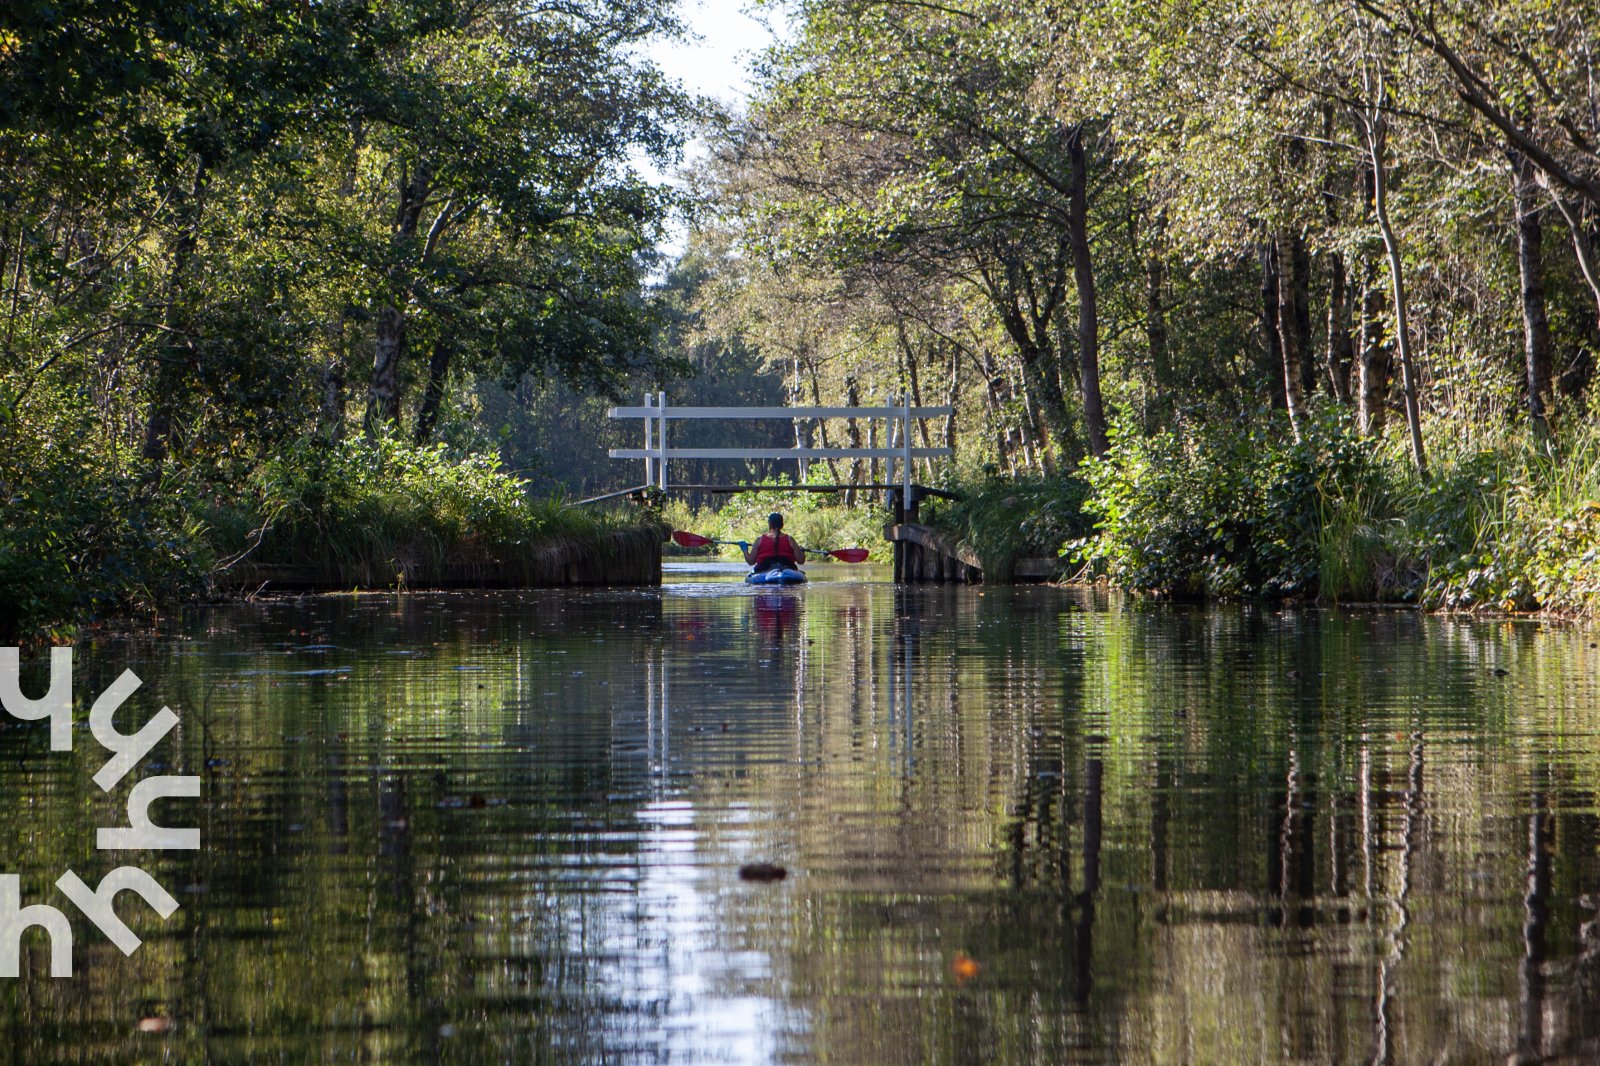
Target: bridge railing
658,451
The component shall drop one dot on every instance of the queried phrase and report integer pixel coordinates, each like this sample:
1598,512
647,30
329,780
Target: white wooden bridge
898,453
920,553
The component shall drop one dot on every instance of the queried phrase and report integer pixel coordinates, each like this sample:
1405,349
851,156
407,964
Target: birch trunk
1374,129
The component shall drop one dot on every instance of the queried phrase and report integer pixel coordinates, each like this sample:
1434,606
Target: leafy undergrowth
1241,511
1006,519
389,502
85,539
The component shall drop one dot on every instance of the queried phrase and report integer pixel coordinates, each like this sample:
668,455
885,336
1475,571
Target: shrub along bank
84,539
1232,510
1241,510
1005,519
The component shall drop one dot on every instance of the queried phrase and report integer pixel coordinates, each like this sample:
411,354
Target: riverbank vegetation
85,542
1306,293
1293,298
237,238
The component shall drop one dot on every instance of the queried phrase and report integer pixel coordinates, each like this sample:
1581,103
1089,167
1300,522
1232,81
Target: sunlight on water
1016,825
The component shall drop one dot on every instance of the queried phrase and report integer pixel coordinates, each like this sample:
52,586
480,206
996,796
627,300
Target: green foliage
815,520
389,501
1244,512
1006,519
1221,510
82,538
1526,529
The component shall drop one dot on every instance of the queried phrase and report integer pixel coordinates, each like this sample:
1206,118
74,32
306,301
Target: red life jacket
779,546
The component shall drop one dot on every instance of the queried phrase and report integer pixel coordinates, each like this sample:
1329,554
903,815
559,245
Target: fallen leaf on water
964,967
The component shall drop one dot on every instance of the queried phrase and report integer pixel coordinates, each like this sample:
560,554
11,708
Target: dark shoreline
624,557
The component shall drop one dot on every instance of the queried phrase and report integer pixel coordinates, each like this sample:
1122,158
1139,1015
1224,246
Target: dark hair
774,520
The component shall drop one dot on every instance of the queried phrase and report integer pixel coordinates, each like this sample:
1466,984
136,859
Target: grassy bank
85,540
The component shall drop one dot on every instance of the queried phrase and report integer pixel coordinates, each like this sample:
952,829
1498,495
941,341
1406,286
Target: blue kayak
776,577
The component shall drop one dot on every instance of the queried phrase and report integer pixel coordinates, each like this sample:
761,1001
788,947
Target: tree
937,160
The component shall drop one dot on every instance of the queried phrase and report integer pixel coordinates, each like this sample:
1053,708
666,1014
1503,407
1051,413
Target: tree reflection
508,828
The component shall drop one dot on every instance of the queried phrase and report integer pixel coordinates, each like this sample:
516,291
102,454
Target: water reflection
1019,825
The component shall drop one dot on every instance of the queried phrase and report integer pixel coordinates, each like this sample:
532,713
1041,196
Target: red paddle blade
690,540
850,555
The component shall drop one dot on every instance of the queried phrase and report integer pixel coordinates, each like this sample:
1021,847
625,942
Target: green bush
1006,519
83,539
815,520
1244,511
388,501
1225,510
1517,529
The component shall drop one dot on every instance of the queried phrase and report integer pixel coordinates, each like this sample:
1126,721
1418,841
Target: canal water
1016,825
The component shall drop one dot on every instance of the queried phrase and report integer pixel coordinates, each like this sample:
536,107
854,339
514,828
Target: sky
724,39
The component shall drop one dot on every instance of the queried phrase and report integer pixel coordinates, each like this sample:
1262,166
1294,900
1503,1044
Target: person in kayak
776,550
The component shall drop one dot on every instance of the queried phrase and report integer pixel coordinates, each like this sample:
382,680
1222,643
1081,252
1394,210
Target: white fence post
905,448
661,438
649,463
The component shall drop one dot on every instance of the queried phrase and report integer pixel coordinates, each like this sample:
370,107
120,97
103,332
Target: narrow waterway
1017,825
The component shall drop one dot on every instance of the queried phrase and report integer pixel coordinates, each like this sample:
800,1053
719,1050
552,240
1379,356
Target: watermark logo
126,751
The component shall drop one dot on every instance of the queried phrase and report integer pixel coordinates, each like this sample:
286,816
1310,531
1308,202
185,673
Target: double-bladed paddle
685,539
844,555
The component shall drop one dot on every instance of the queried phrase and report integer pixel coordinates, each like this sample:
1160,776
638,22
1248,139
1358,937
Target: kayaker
776,550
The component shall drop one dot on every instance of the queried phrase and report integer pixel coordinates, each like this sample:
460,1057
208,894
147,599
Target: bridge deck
917,491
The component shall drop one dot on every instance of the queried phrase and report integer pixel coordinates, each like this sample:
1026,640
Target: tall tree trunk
1046,407
1271,335
1298,263
1094,414
1340,348
1376,365
1530,268
433,394
389,341
909,354
172,352
802,427
1374,127
1339,351
1035,447
852,398
388,348
331,411
1289,339
1005,438
1041,379
952,391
